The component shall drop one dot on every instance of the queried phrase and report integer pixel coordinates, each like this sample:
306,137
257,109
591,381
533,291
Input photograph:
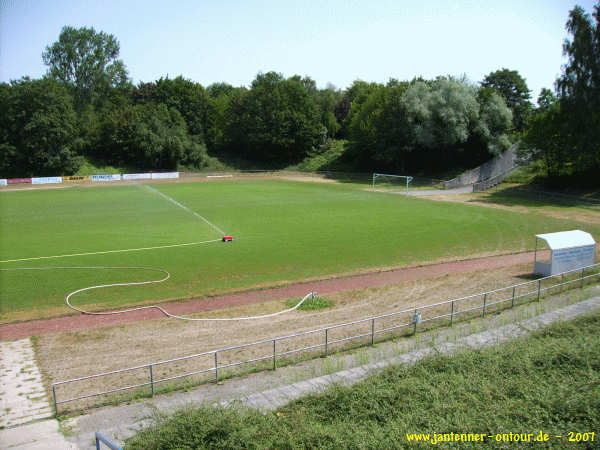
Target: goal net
392,183
404,183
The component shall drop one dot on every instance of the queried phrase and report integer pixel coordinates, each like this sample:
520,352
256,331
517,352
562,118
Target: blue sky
331,41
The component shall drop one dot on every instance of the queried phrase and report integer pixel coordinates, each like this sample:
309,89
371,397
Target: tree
150,136
277,120
546,99
565,132
351,103
38,128
189,98
513,87
86,60
579,88
429,125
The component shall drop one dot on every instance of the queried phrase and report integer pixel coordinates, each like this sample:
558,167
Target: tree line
564,134
86,107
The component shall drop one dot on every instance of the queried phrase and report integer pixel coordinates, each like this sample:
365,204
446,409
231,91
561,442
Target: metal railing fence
323,340
101,439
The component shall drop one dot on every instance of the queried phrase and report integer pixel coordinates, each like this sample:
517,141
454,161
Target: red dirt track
84,321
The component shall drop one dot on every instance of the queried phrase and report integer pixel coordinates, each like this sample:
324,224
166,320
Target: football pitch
283,231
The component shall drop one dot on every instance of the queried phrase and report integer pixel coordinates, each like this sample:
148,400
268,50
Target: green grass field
283,230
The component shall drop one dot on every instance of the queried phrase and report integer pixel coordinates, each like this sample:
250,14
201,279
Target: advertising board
75,179
111,177
567,259
137,176
46,180
165,175
18,181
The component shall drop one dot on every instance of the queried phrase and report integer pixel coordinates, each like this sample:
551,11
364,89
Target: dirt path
82,322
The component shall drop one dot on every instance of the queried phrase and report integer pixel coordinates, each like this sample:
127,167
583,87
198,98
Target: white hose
139,283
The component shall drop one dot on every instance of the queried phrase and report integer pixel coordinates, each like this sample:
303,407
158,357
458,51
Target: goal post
389,180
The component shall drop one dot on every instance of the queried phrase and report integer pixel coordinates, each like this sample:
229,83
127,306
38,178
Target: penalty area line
111,251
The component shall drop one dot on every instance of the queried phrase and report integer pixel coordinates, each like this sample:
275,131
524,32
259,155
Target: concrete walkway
22,396
23,400
272,389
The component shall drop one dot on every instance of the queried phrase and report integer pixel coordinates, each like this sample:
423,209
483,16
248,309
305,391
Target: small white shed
569,250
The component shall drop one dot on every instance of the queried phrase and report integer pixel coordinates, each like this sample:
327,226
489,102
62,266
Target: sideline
110,251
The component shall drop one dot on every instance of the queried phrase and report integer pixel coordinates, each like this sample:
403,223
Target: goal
388,182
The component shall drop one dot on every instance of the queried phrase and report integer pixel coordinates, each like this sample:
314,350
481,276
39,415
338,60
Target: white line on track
175,202
111,251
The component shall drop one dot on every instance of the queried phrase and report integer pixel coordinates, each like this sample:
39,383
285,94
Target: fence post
581,285
415,322
326,340
216,367
274,354
512,305
484,303
373,332
452,313
539,289
151,379
54,397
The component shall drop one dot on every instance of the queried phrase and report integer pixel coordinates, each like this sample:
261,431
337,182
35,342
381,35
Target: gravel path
82,322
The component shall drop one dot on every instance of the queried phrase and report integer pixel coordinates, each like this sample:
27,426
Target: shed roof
567,239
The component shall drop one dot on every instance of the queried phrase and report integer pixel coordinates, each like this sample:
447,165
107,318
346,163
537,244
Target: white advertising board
46,180
567,259
137,176
3,182
111,177
165,175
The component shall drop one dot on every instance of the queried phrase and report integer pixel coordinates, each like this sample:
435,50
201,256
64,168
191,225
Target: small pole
54,397
326,340
274,354
415,321
452,313
539,289
512,305
581,285
216,367
151,379
373,332
484,302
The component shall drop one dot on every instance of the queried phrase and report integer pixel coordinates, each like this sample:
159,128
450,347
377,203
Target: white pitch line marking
175,202
111,251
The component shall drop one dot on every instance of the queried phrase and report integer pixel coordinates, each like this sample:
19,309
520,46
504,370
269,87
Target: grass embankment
549,382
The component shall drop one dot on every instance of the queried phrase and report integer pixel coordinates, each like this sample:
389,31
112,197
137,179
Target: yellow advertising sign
75,179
